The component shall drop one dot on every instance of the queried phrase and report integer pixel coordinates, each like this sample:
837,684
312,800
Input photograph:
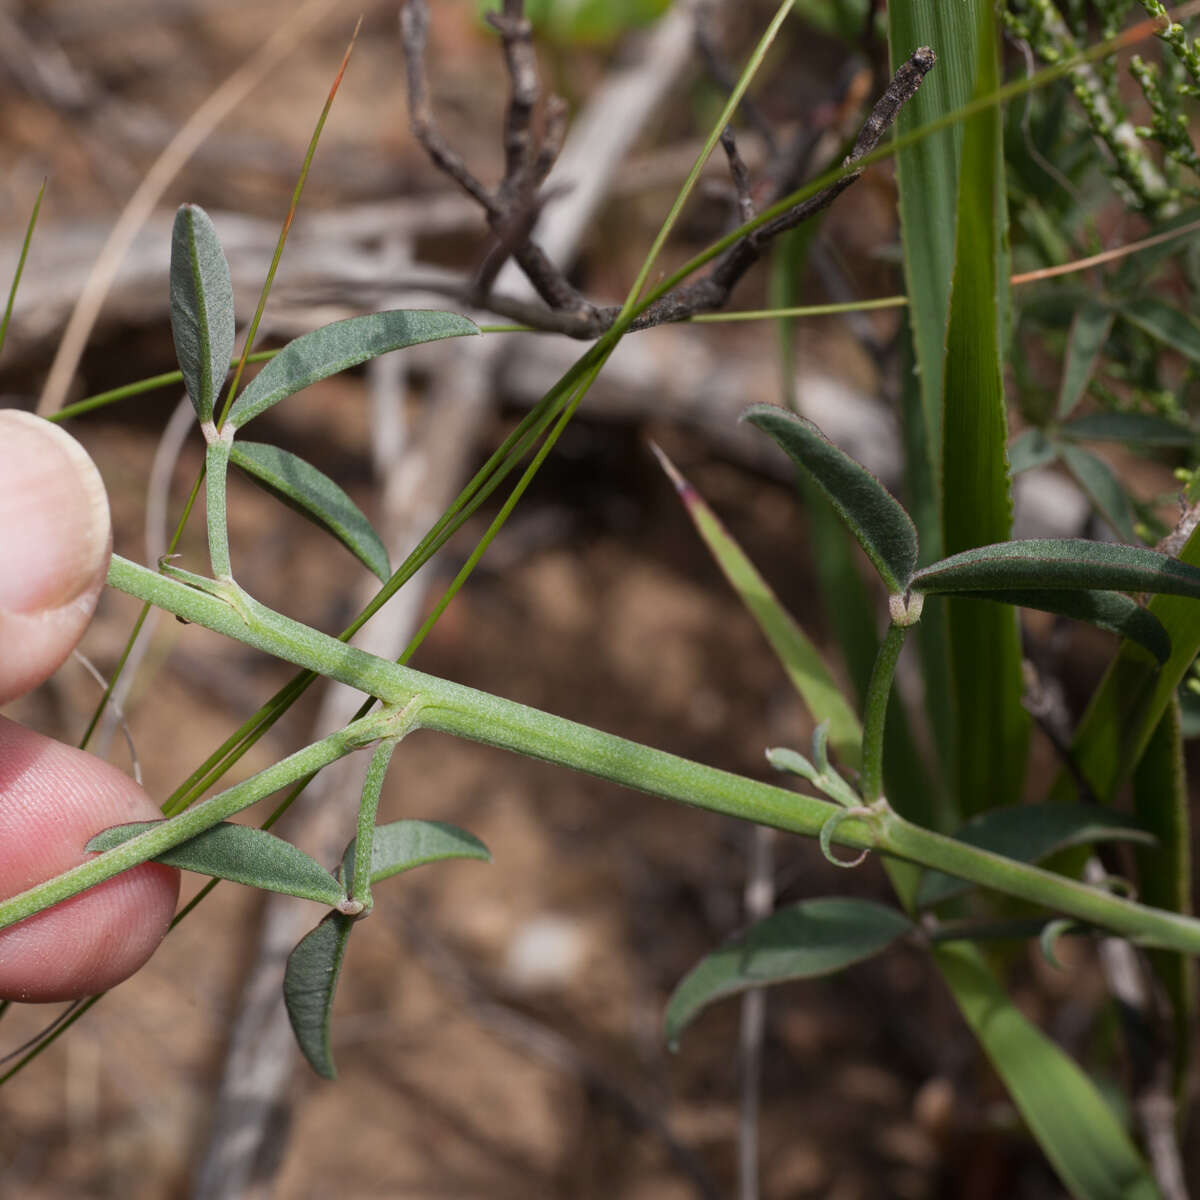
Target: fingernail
54,520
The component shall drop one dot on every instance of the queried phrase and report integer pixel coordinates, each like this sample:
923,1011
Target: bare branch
512,212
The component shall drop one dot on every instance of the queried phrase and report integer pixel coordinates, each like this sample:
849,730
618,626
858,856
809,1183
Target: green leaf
1031,449
883,529
1108,610
333,348
241,854
1031,833
402,845
20,268
1160,800
1103,488
313,494
1165,324
1143,428
1060,563
799,657
1089,333
309,984
202,322
814,937
927,172
1133,696
985,649
1087,1146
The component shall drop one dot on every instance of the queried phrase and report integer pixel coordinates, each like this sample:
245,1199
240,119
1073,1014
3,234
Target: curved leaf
402,845
814,937
1059,563
1030,450
309,984
333,348
875,517
1103,488
1089,332
1143,428
1093,1155
1031,833
241,854
1165,324
313,494
797,655
1113,611
202,323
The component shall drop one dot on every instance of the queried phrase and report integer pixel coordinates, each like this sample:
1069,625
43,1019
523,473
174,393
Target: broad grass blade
1093,1155
985,651
1160,800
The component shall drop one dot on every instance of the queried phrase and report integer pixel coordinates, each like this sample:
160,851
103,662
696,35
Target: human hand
55,543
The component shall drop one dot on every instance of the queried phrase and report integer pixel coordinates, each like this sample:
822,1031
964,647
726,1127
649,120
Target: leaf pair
202,324
260,859
1070,577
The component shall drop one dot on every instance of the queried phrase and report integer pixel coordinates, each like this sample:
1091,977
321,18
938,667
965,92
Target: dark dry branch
741,177
512,210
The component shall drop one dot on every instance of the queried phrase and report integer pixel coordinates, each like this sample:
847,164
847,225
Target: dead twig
512,208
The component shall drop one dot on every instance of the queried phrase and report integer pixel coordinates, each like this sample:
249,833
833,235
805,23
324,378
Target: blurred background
498,1028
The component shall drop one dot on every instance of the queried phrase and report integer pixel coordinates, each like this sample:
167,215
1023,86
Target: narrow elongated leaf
1160,800
927,172
241,854
1113,611
1103,488
814,937
1032,833
20,267
799,657
1093,1155
883,529
1165,324
1060,563
985,649
1089,333
402,845
202,321
337,347
1133,696
309,984
1143,428
1031,450
313,494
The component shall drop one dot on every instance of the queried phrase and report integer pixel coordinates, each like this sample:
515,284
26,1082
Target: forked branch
513,206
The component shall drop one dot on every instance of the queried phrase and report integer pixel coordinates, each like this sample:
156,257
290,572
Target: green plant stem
216,463
464,712
368,810
875,710
196,820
